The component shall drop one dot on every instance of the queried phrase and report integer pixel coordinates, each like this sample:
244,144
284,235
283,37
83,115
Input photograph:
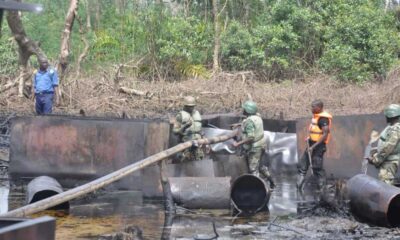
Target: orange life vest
315,131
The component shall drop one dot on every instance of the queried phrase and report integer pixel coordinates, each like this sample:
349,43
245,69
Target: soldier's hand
235,125
373,160
373,151
235,144
188,124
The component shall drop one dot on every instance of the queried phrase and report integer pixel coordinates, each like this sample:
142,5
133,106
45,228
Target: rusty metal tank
250,194
201,192
374,201
44,187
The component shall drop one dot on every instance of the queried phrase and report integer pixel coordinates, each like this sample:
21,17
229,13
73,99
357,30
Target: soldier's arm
389,145
249,128
177,124
179,127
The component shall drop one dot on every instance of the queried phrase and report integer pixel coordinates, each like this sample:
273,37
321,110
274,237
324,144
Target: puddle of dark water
87,220
291,216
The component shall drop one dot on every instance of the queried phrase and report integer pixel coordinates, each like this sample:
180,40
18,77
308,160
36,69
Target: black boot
321,183
301,179
271,183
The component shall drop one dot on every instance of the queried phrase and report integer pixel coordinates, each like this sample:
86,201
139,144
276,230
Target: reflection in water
88,220
4,192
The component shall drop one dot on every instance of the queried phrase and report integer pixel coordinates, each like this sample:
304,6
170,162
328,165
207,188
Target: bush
8,56
238,50
361,43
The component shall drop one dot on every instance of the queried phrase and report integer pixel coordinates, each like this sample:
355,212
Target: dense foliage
354,40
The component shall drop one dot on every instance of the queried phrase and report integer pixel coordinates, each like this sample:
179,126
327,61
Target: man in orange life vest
319,134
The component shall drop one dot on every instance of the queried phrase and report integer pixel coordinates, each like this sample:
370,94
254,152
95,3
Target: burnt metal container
44,187
42,228
250,194
374,201
201,192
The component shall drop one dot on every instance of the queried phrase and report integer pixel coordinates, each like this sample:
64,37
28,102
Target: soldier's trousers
317,158
192,154
387,171
253,158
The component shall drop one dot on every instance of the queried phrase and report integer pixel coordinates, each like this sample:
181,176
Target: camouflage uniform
252,127
388,154
188,127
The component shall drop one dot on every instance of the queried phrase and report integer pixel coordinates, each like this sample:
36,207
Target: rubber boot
301,179
321,183
271,182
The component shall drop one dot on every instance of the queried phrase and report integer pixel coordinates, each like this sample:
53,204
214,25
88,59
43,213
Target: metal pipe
44,187
201,192
374,201
250,194
110,178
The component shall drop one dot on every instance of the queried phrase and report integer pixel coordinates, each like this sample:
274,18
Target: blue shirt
45,81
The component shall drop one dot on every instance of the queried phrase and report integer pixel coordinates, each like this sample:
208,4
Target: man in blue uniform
45,83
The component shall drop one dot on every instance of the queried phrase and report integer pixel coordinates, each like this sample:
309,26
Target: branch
83,55
132,91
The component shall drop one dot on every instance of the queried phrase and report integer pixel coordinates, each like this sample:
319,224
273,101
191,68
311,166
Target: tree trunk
217,41
88,20
26,48
186,8
98,13
85,51
120,6
66,36
246,12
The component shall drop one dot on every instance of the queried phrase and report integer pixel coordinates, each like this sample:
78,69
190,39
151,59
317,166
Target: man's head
249,108
317,106
392,113
43,65
189,104
17,6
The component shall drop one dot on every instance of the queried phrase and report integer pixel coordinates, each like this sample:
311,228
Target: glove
374,160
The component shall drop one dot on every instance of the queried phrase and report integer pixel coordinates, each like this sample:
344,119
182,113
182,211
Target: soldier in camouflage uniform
253,141
387,156
188,127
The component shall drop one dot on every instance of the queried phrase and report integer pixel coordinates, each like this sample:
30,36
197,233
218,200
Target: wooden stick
110,178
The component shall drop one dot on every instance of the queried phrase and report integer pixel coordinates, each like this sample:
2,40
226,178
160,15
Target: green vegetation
354,40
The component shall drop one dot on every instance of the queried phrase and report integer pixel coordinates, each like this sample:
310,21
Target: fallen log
110,178
131,91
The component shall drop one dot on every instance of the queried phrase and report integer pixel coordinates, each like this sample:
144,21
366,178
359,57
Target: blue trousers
44,103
